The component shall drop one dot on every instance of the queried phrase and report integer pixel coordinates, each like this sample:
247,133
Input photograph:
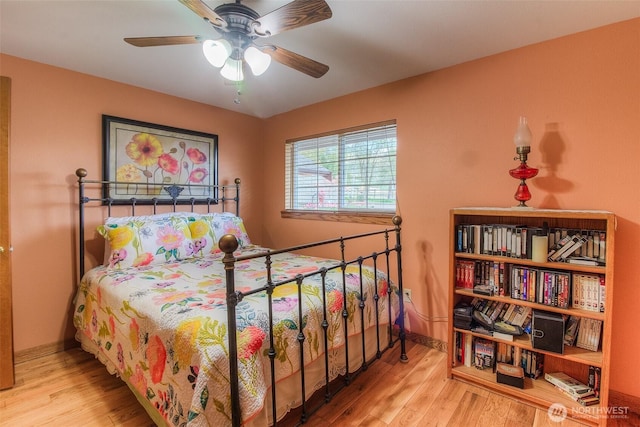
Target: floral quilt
163,328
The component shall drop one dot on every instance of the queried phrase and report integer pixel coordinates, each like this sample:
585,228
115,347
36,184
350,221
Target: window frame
342,215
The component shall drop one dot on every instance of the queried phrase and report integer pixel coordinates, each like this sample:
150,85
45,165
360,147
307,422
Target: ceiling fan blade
296,14
296,61
205,12
162,41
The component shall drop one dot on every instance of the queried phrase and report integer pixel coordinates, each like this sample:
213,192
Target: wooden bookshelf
574,361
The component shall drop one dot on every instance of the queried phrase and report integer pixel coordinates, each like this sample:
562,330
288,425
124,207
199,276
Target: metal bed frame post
345,312
237,198
361,306
402,334
228,244
272,351
81,174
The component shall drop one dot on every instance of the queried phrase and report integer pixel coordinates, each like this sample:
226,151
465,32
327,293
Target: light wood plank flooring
71,388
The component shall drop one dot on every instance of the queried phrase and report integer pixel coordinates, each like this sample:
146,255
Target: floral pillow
203,239
140,241
228,223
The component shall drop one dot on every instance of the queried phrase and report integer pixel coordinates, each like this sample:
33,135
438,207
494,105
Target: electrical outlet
407,294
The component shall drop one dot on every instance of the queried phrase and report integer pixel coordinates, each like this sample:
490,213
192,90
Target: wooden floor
72,388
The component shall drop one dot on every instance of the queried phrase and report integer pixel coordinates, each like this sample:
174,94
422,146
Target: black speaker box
547,331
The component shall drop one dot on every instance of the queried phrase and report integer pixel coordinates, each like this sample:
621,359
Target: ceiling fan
239,26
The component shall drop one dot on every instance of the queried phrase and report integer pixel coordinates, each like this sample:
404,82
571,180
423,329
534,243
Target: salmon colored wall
56,128
581,94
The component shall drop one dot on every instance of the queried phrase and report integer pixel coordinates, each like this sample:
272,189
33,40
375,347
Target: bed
158,309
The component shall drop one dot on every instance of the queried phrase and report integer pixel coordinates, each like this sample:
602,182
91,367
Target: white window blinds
351,170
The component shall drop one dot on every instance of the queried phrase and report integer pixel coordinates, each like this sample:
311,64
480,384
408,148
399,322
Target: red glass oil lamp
522,139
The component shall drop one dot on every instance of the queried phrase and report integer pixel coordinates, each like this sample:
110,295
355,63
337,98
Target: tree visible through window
353,170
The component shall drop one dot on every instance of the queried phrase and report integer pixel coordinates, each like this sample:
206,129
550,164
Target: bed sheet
162,328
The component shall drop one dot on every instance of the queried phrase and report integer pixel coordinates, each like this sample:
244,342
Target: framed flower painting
158,164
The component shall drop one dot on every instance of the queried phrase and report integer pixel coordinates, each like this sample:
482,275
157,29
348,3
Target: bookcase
476,224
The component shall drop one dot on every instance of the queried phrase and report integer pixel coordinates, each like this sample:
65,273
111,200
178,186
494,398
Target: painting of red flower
196,156
147,159
168,164
198,175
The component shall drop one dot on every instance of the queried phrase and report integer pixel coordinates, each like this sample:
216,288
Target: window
353,170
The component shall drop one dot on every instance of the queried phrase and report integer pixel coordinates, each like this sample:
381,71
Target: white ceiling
366,43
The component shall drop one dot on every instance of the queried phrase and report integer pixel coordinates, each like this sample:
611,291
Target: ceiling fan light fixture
238,26
216,51
258,61
232,70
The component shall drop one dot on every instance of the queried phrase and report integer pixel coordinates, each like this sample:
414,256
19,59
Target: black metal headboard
220,196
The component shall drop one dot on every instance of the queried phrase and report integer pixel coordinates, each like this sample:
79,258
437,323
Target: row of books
585,394
583,332
580,332
589,292
530,361
484,354
546,287
494,239
486,277
555,288
474,351
587,247
497,311
578,247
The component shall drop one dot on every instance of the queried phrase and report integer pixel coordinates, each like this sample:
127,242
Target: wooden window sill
357,217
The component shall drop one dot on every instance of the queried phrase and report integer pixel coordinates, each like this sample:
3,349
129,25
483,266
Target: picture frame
157,164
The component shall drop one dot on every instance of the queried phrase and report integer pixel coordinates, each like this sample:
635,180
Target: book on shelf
575,248
521,317
504,353
502,336
603,295
595,373
575,396
468,348
589,332
584,260
465,273
532,363
567,248
484,353
479,329
584,400
556,242
571,330
569,385
588,292
482,289
588,401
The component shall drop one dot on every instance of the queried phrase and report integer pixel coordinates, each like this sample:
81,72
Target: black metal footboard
228,244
